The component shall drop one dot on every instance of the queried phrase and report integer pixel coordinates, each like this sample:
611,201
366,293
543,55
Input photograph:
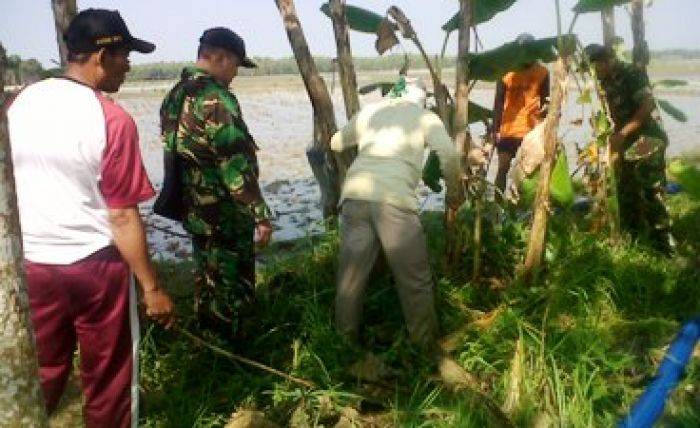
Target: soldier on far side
638,148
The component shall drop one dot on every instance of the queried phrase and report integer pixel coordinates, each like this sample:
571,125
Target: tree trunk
348,78
460,122
640,51
535,248
63,13
21,403
608,17
323,163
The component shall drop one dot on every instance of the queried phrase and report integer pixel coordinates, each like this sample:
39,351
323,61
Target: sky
27,29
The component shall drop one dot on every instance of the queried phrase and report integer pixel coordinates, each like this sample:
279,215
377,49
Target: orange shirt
522,100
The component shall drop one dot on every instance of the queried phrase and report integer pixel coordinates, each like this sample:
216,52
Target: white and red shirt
75,155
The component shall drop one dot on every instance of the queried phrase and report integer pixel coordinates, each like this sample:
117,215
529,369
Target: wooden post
535,249
640,51
21,402
348,78
323,164
608,17
63,13
460,122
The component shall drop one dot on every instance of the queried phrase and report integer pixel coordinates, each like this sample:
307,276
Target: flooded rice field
279,116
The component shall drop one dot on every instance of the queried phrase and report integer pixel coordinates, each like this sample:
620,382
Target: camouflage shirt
201,120
626,88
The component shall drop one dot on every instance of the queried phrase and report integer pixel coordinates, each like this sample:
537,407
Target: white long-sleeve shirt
391,136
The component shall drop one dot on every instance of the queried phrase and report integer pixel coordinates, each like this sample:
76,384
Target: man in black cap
637,145
222,205
80,178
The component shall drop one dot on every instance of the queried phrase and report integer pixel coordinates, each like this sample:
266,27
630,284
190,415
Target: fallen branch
231,356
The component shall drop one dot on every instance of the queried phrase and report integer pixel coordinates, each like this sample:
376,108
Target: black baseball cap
94,29
221,37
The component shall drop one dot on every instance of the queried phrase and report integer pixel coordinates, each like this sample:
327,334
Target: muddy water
280,118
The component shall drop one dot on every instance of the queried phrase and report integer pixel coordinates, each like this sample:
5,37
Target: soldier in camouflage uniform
638,145
201,121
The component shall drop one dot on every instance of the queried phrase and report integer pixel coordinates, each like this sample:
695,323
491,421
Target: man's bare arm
640,116
130,239
617,140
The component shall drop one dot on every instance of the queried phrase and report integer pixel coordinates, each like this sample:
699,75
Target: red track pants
90,303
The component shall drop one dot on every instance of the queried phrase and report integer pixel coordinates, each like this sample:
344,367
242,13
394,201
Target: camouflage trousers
641,183
224,282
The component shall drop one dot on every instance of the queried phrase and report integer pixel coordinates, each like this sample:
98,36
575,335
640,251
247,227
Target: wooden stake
348,78
535,248
608,17
327,169
640,51
63,13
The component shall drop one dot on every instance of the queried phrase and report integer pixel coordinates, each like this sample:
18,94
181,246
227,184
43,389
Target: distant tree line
275,66
24,71
20,71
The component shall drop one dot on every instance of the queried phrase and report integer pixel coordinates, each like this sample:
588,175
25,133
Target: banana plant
665,105
396,22
487,66
586,6
482,11
494,64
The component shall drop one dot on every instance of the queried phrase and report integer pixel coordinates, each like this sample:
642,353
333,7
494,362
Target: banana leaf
431,169
671,83
492,65
476,113
687,175
384,87
584,6
482,11
561,189
431,172
358,19
672,110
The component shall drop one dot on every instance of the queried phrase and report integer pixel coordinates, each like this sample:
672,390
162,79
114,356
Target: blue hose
650,405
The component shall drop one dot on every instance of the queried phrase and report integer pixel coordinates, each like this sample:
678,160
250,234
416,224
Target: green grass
592,333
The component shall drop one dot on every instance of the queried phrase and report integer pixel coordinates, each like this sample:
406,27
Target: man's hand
454,201
159,307
477,156
617,140
130,239
450,216
263,233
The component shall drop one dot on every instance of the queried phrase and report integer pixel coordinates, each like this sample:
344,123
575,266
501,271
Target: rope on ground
240,359
167,231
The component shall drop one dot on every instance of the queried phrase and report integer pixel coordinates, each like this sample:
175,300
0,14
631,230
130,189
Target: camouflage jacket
201,121
625,90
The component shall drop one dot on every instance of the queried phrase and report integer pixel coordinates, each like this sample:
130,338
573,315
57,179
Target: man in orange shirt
520,104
